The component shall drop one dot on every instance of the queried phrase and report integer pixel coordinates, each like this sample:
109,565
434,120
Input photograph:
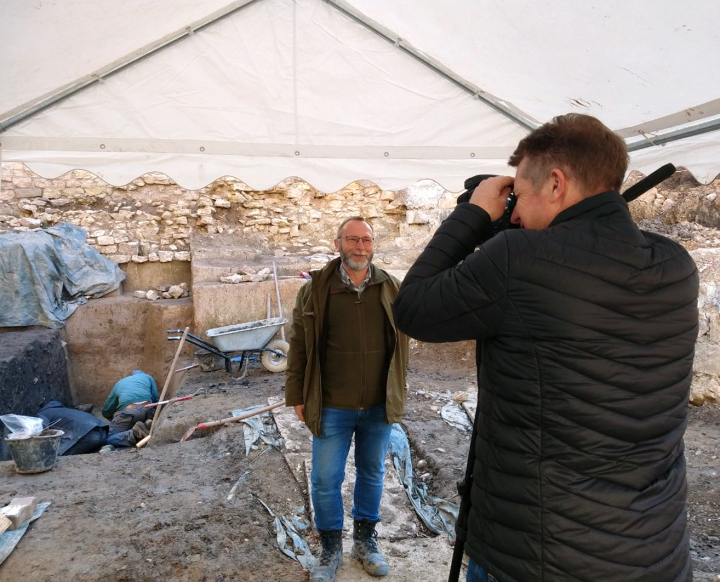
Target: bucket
35,454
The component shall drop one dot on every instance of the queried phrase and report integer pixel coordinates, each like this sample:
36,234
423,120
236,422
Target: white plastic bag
22,427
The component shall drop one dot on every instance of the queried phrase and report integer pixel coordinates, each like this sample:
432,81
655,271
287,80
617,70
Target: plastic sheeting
10,539
439,515
46,274
260,427
288,531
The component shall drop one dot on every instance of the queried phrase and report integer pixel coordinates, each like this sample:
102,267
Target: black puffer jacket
588,332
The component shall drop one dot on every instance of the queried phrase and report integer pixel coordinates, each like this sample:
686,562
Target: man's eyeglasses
354,240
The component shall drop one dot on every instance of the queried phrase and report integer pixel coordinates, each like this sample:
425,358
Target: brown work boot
331,557
140,431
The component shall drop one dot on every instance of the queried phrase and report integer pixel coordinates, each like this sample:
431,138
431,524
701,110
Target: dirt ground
162,513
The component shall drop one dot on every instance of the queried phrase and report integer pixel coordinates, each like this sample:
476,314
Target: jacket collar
591,206
323,275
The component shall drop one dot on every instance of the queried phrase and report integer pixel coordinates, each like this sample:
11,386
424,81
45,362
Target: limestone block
19,510
140,294
153,258
60,202
51,193
73,191
139,259
104,240
222,203
22,182
152,295
205,211
253,204
206,220
5,523
28,192
704,389
165,256
108,250
120,239
31,208
128,248
321,250
176,291
31,222
417,217
182,212
120,259
234,278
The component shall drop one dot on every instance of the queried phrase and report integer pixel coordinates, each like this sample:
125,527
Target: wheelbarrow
243,342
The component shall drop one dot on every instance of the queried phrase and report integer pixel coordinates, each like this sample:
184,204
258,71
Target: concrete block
19,511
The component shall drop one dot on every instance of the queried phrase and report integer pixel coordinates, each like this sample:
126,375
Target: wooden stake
277,292
144,441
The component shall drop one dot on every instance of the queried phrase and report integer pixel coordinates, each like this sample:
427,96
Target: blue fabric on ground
74,423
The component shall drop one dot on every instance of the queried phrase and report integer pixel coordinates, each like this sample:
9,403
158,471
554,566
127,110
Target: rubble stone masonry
153,219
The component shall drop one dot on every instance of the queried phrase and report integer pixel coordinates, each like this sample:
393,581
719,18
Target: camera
501,223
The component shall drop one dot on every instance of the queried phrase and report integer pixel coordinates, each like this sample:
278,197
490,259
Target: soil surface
162,513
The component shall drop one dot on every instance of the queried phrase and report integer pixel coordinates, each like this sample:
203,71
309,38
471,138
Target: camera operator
586,329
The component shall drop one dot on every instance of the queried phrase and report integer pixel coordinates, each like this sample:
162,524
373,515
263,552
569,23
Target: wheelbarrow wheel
273,362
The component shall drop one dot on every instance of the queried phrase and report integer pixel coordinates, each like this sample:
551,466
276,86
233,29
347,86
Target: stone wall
153,219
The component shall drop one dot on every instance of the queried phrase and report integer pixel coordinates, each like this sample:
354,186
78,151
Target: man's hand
491,195
300,411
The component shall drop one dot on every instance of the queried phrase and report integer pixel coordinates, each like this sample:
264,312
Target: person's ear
337,244
558,184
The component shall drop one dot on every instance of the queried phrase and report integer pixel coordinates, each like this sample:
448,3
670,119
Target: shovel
212,423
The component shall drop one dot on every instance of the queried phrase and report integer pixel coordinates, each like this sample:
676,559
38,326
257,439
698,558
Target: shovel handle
143,442
241,417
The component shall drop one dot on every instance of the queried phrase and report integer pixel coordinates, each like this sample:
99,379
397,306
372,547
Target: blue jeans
477,573
120,432
330,451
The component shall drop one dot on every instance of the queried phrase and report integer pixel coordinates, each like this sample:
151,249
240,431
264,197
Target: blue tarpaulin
46,274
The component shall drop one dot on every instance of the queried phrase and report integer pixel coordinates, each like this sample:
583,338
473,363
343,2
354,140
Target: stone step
211,270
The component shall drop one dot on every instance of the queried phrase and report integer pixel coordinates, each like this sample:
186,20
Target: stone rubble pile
247,275
164,291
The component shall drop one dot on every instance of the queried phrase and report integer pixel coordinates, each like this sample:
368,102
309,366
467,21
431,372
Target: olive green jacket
303,376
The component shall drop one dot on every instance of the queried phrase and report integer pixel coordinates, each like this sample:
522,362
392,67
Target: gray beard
348,261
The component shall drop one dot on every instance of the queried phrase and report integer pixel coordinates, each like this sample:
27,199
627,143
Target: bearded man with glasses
346,376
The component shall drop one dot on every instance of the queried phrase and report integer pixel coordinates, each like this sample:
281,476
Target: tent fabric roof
308,88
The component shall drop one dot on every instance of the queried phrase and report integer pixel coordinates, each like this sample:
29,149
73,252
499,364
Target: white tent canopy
335,91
